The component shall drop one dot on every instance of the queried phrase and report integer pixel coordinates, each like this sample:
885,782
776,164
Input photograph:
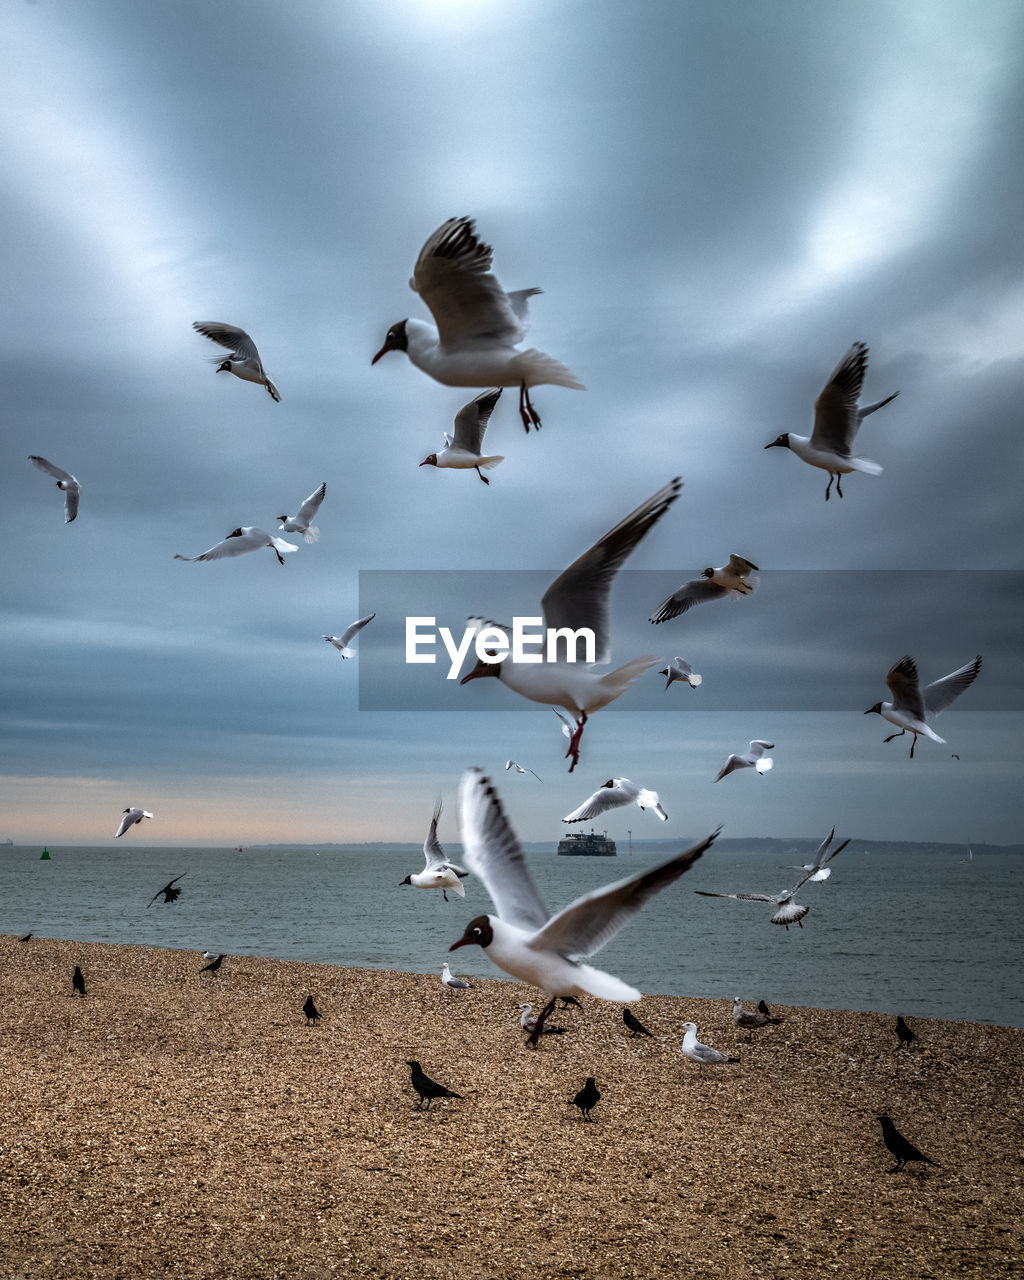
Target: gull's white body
342,643
703,1054
244,361
243,539
464,450
912,707
680,670
438,872
452,982
301,522
753,758
733,580
614,794
129,818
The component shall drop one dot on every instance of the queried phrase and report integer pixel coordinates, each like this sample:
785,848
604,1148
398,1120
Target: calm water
909,933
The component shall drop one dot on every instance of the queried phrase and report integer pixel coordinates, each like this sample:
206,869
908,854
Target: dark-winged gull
244,361
732,580
463,450
912,707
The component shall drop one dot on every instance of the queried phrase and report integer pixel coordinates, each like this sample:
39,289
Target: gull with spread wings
912,707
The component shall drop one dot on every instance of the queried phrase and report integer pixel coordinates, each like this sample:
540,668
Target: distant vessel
44,856
970,855
586,844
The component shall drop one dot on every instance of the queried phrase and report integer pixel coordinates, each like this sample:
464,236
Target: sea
919,934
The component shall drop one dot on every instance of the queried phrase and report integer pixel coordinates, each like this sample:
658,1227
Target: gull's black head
225,367
707,573
430,460
283,519
609,783
877,709
478,932
235,533
407,880
482,668
780,442
396,339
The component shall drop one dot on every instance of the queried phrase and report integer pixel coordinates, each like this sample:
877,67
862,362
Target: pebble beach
172,1124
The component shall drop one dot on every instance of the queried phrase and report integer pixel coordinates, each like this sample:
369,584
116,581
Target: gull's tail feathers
605,985
622,677
539,369
312,534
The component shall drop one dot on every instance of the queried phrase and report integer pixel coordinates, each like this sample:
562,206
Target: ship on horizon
586,844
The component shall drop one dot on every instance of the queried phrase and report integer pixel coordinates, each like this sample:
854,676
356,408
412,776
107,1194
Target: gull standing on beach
522,937
579,598
452,982
731,581
478,325
837,420
245,538
129,817
613,794
462,452
744,1018
789,911
244,361
300,521
703,1054
912,707
753,758
342,642
66,482
438,873
817,868
680,670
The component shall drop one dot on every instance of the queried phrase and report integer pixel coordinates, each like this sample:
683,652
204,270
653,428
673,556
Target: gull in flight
754,758
245,538
912,707
613,794
449,979
511,764
817,868
342,642
438,873
170,893
478,325
462,451
579,598
837,419
703,1054
680,670
521,937
300,522
788,910
732,580
129,817
244,361
65,481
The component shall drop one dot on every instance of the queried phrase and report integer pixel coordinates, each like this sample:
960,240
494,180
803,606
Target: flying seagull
128,819
301,521
579,598
613,794
818,868
511,764
462,451
170,893
342,642
521,936
587,1098
912,707
680,670
789,911
732,580
438,873
837,419
426,1087
65,481
245,538
478,325
902,1148
703,1054
753,758
452,982
244,361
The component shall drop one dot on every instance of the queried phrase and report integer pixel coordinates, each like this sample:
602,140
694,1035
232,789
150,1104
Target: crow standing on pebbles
311,1011
634,1025
907,1037
587,1098
902,1148
26,938
567,1001
426,1087
213,966
77,982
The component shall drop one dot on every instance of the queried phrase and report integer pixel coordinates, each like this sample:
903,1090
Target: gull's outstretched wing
355,628
236,340
835,410
698,591
311,506
940,693
432,851
902,682
603,799
492,852
453,277
471,422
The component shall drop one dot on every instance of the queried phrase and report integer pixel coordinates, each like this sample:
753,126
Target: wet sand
177,1125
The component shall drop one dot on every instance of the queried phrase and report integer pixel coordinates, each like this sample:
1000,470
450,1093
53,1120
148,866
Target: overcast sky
716,199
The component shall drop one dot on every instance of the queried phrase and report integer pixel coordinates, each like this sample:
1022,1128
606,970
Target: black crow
426,1087
26,938
311,1011
213,966
170,893
77,982
902,1148
587,1097
567,1001
907,1037
636,1027
763,1008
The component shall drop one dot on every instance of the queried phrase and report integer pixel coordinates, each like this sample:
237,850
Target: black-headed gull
243,539
912,706
169,892
129,817
753,758
522,937
511,764
66,482
300,522
613,794
438,873
462,451
788,910
818,868
678,669
452,982
579,598
837,419
342,642
244,361
478,325
748,1019
732,580
703,1054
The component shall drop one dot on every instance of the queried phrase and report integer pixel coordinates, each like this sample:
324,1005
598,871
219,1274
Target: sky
716,199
